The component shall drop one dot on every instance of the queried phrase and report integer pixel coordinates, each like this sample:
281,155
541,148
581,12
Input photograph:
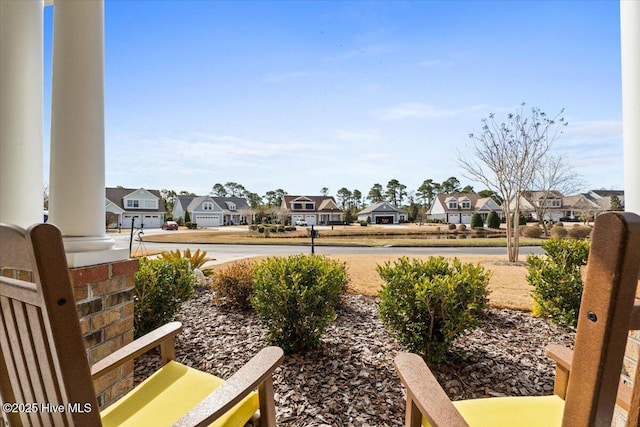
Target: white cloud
421,110
364,51
364,136
591,131
291,75
430,63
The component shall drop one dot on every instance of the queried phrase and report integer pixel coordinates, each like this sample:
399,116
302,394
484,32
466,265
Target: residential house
603,197
383,213
210,211
312,209
531,203
458,208
141,207
579,206
556,206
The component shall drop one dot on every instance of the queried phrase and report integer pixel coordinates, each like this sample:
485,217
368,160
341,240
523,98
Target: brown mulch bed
350,379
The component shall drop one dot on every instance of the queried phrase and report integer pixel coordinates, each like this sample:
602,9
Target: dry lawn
508,284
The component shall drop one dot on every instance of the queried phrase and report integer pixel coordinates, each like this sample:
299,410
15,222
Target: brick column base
104,297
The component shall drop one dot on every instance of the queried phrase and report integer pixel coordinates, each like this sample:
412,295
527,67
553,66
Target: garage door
384,219
152,221
311,219
295,218
466,218
126,221
207,220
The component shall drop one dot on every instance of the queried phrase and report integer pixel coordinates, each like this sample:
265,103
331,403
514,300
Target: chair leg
413,417
561,381
267,406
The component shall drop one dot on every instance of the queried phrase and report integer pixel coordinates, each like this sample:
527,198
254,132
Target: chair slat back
43,364
604,319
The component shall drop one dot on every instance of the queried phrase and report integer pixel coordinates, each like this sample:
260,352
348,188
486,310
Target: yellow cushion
170,393
541,411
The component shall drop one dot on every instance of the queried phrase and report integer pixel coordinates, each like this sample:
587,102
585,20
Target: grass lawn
406,235
508,284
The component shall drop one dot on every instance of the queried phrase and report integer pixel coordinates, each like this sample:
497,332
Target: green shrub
476,221
253,227
160,289
196,259
234,285
579,231
296,297
260,229
556,279
531,231
363,223
493,221
522,220
558,231
427,304
462,227
452,226
191,225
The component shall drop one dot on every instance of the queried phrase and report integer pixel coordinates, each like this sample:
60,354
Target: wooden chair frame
42,353
587,378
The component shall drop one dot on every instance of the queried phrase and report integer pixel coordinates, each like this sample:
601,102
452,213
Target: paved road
225,253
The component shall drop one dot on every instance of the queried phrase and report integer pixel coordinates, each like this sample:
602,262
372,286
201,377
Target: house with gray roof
210,211
557,207
383,213
458,208
312,209
603,197
140,207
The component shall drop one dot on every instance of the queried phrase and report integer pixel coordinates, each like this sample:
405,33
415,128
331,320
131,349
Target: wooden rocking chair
44,361
587,383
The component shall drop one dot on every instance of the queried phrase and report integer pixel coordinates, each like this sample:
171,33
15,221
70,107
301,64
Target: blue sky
301,95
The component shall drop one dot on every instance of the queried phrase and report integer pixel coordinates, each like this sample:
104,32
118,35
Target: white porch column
630,46
21,88
77,184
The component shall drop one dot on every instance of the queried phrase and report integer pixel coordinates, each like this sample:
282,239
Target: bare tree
504,157
554,174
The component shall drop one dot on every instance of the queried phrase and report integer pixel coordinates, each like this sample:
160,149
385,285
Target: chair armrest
424,394
255,372
163,336
563,357
560,354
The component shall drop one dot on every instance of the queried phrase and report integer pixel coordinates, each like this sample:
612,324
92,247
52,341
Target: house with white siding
210,211
458,208
142,207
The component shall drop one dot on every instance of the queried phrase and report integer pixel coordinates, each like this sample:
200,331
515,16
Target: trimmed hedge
557,279
427,304
296,297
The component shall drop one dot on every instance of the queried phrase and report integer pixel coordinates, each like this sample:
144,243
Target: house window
133,203
231,206
207,206
151,204
453,204
465,205
297,206
308,206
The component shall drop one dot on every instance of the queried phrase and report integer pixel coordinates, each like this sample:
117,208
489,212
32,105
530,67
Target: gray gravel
350,379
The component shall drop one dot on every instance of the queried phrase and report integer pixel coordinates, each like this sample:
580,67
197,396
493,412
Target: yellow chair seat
540,411
168,394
